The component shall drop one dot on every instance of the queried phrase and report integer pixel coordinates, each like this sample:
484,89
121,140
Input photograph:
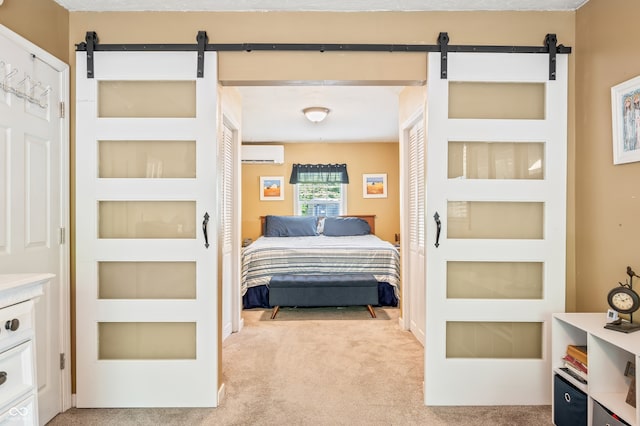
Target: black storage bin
569,404
604,417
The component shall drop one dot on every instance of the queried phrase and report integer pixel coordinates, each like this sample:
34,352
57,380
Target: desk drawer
22,413
20,317
16,373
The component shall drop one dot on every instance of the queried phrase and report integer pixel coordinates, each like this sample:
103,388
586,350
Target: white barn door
496,171
147,319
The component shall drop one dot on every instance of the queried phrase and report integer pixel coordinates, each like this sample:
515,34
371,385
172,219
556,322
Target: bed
312,245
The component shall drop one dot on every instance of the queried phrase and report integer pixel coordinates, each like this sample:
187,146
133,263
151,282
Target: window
320,199
319,189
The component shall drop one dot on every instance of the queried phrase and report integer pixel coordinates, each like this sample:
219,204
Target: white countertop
15,288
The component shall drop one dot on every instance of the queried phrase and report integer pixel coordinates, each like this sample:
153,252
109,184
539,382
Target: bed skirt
258,297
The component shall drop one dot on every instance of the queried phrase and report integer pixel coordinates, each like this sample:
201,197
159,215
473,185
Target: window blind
319,173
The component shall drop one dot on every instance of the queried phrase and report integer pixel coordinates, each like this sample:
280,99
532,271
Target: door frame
64,338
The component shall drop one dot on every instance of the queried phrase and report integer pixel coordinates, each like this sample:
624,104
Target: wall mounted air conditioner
262,154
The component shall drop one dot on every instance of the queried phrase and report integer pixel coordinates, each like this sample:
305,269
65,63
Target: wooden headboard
369,218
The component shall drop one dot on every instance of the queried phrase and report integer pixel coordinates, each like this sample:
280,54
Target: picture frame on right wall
374,185
625,110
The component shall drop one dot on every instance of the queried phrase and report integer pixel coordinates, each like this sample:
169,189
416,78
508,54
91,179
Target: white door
147,296
496,173
33,202
228,239
230,210
414,267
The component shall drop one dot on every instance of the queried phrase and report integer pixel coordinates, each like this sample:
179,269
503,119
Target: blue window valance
319,173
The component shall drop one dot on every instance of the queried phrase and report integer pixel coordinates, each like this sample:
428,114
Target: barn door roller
550,47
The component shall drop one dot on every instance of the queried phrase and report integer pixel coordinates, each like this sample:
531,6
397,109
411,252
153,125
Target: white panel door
146,298
32,199
227,200
415,273
497,179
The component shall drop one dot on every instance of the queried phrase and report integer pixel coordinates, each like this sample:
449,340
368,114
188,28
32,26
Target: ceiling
317,5
358,113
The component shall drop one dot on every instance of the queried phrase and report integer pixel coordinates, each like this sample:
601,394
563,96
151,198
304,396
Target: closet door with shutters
416,273
496,170
227,200
146,284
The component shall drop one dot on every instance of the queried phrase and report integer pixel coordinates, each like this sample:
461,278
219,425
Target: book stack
575,362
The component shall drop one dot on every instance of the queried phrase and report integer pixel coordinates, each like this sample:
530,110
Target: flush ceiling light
315,114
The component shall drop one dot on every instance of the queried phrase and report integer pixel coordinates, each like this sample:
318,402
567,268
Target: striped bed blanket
321,254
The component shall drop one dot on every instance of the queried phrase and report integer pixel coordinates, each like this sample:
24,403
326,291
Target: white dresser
18,389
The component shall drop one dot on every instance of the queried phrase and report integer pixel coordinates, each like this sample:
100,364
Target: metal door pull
438,228
204,229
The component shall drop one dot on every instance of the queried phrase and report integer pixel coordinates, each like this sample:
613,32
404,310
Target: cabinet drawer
16,367
603,417
20,316
23,413
569,404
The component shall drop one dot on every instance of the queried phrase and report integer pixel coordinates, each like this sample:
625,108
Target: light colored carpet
322,366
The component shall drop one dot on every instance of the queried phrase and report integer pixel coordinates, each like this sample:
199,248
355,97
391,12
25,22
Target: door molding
64,337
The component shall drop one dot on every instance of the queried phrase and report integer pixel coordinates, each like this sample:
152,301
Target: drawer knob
12,325
3,377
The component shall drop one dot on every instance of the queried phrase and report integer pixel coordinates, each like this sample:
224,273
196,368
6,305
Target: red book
575,363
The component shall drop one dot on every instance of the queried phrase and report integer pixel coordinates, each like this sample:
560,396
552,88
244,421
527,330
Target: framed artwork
625,108
374,185
271,188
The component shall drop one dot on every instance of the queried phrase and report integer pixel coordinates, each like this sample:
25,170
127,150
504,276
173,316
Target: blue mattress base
258,297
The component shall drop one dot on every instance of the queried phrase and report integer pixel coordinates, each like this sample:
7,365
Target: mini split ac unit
262,154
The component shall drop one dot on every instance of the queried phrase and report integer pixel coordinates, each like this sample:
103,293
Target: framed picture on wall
271,188
625,107
374,185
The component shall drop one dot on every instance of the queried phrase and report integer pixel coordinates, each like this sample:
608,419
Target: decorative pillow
321,225
291,226
345,226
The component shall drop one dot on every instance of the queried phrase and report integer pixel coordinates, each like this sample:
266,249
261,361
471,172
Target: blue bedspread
269,256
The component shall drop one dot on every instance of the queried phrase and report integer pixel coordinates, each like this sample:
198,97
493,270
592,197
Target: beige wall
607,196
43,22
359,157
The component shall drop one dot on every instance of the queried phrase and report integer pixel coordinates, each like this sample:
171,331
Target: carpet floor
318,366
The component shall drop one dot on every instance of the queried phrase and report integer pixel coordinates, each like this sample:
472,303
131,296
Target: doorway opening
305,141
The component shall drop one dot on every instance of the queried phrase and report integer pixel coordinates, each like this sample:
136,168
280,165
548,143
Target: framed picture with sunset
374,185
271,188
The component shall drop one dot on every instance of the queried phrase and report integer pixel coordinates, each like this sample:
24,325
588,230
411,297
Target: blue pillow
291,226
345,226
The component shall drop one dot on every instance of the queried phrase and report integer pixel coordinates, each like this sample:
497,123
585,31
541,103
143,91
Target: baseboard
73,400
402,325
226,331
221,393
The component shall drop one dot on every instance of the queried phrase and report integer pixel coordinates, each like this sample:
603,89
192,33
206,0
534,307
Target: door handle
438,228
204,229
